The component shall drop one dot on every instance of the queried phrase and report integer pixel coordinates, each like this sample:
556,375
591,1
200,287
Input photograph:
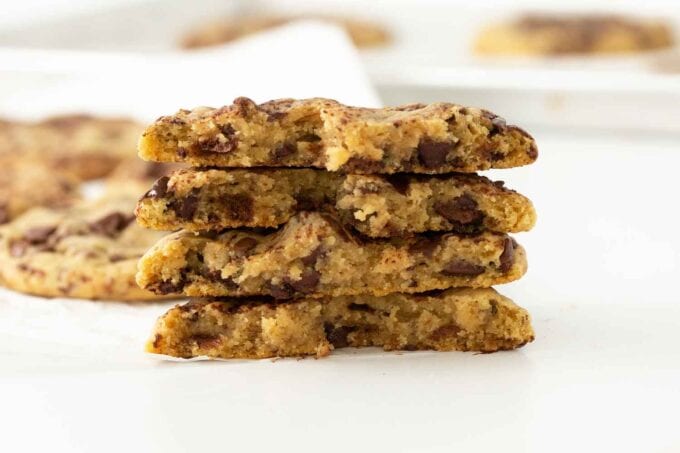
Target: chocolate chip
400,182
282,291
337,336
445,332
238,207
533,151
215,145
361,307
461,210
182,153
243,246
507,258
39,235
244,105
498,124
157,341
159,188
310,138
275,116
111,224
499,184
494,307
207,341
424,246
228,130
307,283
362,165
432,154
312,258
283,151
459,268
186,208
168,287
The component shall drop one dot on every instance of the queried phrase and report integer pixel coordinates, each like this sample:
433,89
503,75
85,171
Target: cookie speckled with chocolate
88,250
374,205
314,255
453,320
535,34
322,133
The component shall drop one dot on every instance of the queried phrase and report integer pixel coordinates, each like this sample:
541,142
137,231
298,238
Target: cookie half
452,320
374,205
322,133
313,254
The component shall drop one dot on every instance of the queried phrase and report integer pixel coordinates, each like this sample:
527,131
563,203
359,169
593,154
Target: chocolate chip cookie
452,320
363,33
314,255
84,146
88,250
570,35
374,205
322,133
27,183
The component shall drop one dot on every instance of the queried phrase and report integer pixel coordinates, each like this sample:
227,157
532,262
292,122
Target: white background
604,258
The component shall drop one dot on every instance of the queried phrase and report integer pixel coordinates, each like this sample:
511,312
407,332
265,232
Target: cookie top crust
322,133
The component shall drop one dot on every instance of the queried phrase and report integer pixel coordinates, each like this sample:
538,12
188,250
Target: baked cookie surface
27,183
374,205
452,320
88,250
84,146
314,255
563,35
322,133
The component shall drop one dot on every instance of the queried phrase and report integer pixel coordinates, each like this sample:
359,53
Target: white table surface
602,375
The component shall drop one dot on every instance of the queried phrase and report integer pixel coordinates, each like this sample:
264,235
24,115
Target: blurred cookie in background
27,183
85,146
135,175
363,33
554,35
88,250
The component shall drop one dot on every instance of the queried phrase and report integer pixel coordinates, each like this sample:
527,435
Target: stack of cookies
305,225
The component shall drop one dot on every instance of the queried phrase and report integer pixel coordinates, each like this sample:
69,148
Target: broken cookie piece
314,255
322,133
453,320
374,205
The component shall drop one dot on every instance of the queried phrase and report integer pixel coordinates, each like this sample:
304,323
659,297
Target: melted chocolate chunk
337,336
159,188
498,123
243,246
362,165
361,307
400,182
215,145
425,246
312,258
507,258
168,287
460,268
310,138
432,154
186,208
238,207
282,291
207,341
283,151
307,283
447,331
461,210
111,224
